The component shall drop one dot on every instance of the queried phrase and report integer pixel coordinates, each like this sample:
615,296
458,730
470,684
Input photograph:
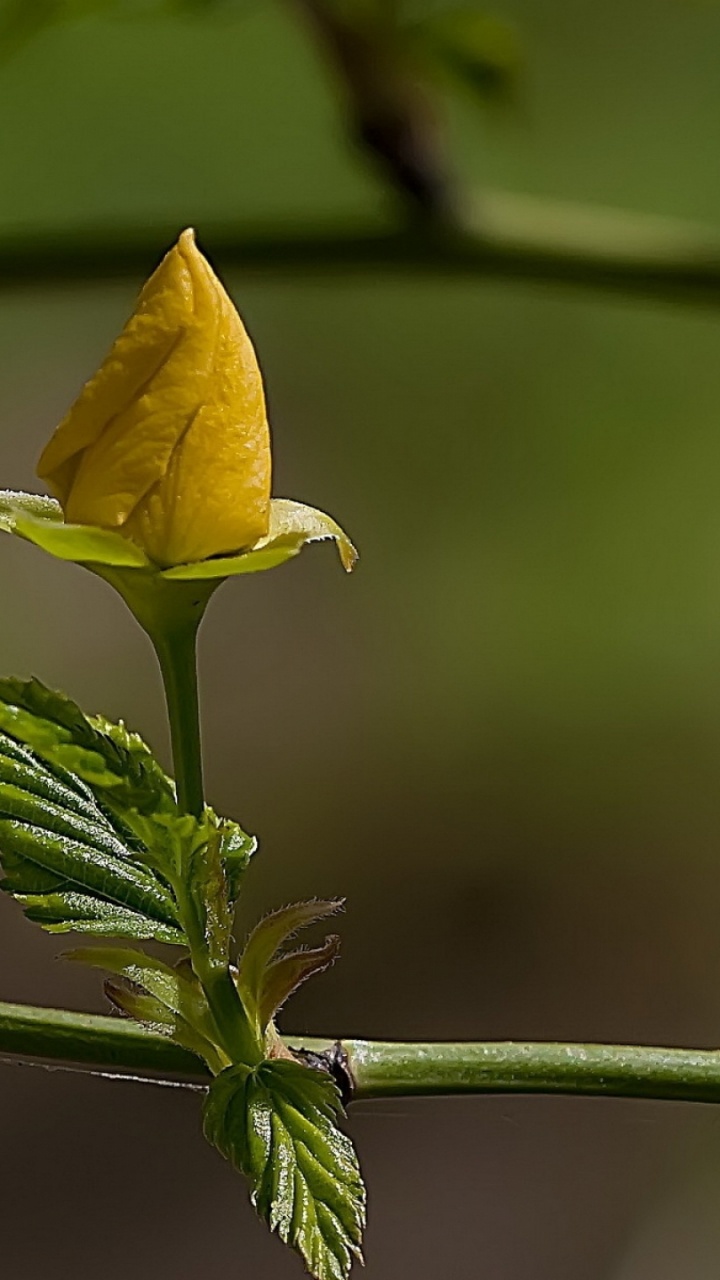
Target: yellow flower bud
168,444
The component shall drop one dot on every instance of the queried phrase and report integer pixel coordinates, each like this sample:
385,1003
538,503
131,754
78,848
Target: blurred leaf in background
472,48
20,20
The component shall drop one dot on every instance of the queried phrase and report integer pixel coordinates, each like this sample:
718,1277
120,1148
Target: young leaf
66,861
207,856
167,999
208,888
236,849
266,939
286,974
276,1123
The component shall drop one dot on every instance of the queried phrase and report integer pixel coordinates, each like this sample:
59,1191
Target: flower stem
177,655
170,613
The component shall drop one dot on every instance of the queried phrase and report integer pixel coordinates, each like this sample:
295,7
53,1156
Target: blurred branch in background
522,238
389,111
388,57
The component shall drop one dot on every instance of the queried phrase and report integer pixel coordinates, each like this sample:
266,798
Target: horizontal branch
510,237
93,1040
381,1069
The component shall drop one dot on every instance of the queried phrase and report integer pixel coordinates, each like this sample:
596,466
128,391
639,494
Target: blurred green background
500,739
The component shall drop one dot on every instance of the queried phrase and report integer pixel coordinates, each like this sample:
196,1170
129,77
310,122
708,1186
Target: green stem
171,613
176,650
177,654
234,1027
382,1069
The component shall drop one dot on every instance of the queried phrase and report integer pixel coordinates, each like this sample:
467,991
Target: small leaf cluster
92,841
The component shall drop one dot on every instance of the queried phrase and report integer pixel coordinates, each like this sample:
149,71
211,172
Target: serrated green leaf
106,756
158,995
276,1123
178,840
71,912
210,856
264,942
19,766
59,850
79,865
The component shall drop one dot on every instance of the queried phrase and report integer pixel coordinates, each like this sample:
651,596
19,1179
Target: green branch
381,1069
110,1043
384,1070
512,237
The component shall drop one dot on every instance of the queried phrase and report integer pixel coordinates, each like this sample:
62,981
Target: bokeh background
500,739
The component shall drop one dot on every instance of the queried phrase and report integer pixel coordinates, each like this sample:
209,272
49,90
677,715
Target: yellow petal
169,441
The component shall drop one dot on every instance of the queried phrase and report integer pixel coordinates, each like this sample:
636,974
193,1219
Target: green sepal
159,996
231,566
292,526
81,543
14,505
263,945
276,1123
40,520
